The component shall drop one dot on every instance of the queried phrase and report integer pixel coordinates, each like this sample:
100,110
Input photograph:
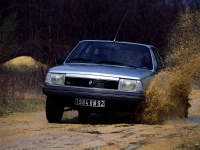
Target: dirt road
32,131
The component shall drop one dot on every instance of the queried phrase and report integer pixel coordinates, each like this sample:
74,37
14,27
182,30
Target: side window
158,58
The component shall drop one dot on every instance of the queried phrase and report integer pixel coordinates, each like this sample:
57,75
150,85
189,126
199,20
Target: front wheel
53,113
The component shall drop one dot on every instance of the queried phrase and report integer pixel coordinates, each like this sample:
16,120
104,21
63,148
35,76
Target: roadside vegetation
21,80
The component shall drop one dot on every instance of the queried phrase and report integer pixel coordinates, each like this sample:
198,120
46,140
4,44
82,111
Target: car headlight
130,85
55,78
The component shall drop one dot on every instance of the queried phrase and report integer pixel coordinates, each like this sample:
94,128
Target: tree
8,42
51,28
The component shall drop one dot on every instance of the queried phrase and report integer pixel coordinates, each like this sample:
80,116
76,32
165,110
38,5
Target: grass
28,105
21,82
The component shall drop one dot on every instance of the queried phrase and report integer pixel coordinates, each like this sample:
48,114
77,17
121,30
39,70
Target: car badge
90,82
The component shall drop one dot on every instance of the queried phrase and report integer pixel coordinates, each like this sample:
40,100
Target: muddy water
32,131
168,96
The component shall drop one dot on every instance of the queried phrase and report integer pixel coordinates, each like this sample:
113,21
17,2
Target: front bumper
94,93
114,99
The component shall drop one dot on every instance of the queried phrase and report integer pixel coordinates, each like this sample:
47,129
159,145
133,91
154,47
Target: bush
20,88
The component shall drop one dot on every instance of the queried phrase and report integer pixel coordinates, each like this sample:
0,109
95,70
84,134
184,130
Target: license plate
89,102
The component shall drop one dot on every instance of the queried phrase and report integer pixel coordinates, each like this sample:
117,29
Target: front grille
92,83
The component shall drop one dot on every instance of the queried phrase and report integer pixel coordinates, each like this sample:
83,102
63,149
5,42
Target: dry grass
21,80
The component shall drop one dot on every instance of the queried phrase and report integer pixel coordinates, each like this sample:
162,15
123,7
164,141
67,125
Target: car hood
101,70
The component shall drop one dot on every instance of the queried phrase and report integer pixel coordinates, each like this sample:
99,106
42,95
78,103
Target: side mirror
60,61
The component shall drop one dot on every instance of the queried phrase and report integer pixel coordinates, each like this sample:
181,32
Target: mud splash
168,95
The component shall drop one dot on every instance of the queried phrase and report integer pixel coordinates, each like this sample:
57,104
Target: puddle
192,120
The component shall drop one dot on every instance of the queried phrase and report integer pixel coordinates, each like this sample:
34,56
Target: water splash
168,95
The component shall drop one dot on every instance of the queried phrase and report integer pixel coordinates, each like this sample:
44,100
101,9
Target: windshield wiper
111,62
84,60
117,63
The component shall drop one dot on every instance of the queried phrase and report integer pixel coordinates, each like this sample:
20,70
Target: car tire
83,116
53,113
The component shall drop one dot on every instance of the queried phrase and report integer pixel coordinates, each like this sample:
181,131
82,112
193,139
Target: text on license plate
89,102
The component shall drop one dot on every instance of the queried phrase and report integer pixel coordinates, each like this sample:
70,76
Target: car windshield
112,53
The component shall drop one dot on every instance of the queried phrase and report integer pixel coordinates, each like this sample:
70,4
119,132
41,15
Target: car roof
108,41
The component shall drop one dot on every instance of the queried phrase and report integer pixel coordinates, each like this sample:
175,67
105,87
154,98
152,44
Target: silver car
100,76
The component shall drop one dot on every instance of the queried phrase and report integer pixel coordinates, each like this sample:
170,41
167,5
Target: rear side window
158,58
